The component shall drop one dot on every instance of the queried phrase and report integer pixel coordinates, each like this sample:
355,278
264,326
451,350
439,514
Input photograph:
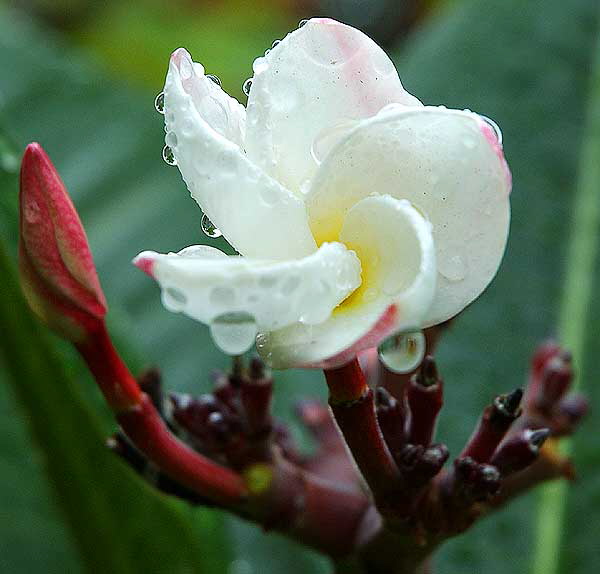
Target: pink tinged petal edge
383,327
492,138
145,263
358,56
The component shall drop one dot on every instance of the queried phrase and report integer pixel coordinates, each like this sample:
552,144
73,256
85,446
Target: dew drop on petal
159,103
234,333
275,43
171,139
174,299
452,268
247,86
168,156
303,22
209,228
186,68
494,126
329,137
214,79
403,352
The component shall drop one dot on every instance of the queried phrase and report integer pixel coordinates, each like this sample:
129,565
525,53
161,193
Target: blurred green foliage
527,65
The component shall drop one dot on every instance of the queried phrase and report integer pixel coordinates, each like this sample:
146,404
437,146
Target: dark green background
85,95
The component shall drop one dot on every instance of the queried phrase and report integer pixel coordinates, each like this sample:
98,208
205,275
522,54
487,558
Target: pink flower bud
58,275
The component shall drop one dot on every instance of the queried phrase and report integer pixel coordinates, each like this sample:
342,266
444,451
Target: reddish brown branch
425,397
353,407
149,434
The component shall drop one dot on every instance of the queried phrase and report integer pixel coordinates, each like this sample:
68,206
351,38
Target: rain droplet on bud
234,333
214,79
275,42
159,103
494,126
247,86
209,228
168,156
403,352
302,22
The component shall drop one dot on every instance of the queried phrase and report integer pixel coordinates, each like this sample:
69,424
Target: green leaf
106,141
575,329
120,525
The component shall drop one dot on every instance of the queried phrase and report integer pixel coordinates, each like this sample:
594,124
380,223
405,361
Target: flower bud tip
58,275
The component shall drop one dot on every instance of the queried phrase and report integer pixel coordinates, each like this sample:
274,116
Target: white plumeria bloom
358,212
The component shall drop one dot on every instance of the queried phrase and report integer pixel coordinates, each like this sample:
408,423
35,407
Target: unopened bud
58,275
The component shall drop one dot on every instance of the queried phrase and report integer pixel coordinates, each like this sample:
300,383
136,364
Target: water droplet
209,228
168,156
32,211
171,139
275,43
222,296
267,281
214,79
452,268
159,103
370,295
303,22
403,352
247,86
234,333
269,195
290,285
259,65
328,138
494,126
267,51
185,68
174,299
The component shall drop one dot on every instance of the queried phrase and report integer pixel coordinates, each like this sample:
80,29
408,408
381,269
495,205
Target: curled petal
218,109
258,216
205,284
444,163
395,247
320,75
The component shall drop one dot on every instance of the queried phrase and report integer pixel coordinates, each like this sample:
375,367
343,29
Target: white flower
358,212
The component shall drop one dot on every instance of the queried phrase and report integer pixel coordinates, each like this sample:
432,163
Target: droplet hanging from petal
234,333
403,352
168,155
159,103
247,86
214,79
209,228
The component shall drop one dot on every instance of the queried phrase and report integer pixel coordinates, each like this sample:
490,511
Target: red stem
148,432
118,385
353,407
143,425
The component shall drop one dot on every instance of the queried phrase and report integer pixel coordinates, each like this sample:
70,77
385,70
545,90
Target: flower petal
218,109
320,75
446,164
258,216
205,284
395,247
